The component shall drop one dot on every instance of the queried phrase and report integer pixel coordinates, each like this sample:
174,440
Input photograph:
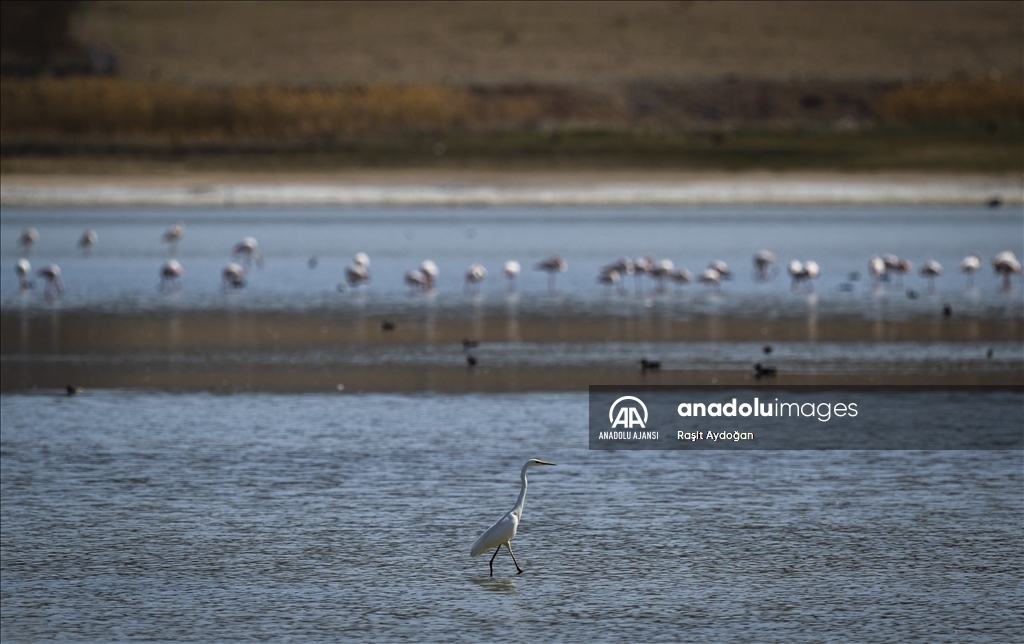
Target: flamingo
661,269
876,269
641,267
416,279
552,265
804,272
681,276
169,274
971,265
248,250
609,277
764,261
710,277
29,236
87,240
511,272
233,276
930,271
430,271
1006,264
51,274
356,274
722,268
475,275
172,236
23,269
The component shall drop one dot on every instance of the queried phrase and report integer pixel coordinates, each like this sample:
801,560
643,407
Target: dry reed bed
110,108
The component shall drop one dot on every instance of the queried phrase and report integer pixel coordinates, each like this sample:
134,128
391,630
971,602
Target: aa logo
628,415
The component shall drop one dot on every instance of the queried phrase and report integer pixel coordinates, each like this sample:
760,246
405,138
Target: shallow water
313,517
122,271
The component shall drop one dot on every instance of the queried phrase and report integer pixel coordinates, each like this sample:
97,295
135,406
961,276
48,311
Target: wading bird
511,272
681,276
28,238
430,272
803,272
661,269
876,269
711,277
764,265
88,240
169,274
358,272
930,271
971,265
552,266
475,275
415,279
608,277
172,236
23,269
722,268
51,274
233,276
1006,264
248,250
504,529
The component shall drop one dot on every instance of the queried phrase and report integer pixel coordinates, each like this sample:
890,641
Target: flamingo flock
882,269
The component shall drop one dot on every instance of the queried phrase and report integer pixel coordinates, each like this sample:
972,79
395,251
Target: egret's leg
513,557
496,551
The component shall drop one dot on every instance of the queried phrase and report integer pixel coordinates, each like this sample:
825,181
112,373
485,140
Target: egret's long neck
518,508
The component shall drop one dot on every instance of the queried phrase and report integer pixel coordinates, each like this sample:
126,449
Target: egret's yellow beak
544,463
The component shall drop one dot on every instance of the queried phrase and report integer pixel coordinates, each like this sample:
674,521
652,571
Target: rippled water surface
314,517
122,271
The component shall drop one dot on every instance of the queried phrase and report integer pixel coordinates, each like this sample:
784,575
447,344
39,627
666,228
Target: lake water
195,517
122,271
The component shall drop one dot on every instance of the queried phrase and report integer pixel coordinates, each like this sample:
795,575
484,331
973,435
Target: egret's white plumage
511,272
475,274
504,529
1006,264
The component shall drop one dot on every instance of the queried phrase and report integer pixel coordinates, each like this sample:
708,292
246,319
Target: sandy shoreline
516,188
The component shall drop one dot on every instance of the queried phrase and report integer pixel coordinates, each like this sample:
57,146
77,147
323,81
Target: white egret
504,529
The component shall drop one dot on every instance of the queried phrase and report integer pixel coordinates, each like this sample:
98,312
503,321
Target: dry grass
957,100
370,43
